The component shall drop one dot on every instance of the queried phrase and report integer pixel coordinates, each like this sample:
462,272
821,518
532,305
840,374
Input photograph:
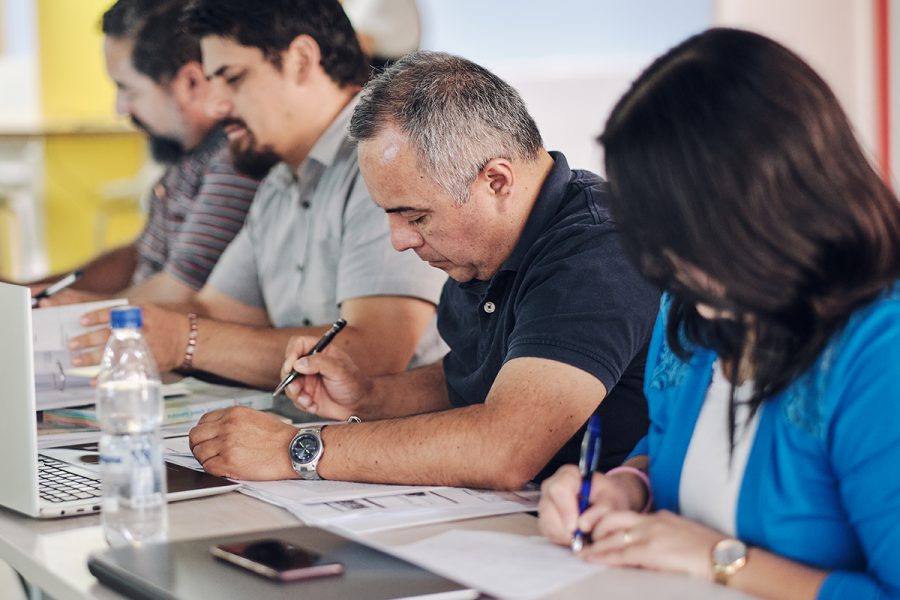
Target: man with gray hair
544,316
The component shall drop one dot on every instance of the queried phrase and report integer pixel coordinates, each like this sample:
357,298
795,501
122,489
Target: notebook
186,570
75,471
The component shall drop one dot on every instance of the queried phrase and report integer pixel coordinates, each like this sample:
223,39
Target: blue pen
587,464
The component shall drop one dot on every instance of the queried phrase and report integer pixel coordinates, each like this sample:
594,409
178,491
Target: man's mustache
234,121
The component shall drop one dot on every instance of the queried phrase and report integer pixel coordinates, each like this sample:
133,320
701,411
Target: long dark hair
730,155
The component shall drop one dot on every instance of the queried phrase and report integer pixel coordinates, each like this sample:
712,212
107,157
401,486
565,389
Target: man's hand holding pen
331,385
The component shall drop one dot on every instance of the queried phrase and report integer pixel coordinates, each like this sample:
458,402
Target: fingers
95,317
558,508
91,342
606,495
207,428
296,347
243,443
87,359
608,532
619,539
91,339
204,451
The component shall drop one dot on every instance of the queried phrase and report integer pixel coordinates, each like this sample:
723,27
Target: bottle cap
126,317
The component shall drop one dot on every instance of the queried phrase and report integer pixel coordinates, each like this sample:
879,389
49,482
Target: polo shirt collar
329,143
551,196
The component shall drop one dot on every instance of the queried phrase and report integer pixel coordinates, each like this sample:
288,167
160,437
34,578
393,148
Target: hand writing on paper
332,385
558,508
242,443
164,331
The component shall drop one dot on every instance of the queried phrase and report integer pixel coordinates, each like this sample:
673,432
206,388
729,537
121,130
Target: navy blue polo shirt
566,293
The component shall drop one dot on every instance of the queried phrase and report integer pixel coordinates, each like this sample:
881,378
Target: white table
52,554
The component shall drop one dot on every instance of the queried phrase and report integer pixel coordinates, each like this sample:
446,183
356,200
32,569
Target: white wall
570,59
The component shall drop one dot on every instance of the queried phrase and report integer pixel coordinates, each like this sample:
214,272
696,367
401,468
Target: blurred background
72,173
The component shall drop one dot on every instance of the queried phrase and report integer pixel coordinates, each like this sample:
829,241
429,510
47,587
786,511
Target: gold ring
627,538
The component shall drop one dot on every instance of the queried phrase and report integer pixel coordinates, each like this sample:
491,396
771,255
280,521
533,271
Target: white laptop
70,476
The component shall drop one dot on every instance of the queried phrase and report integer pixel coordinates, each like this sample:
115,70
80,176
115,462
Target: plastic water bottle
129,411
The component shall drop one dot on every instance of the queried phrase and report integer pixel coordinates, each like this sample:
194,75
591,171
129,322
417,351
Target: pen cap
126,317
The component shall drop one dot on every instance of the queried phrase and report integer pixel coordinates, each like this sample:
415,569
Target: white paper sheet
504,565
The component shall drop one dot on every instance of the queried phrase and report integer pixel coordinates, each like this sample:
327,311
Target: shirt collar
551,196
326,147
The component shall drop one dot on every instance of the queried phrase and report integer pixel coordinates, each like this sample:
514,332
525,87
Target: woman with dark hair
773,376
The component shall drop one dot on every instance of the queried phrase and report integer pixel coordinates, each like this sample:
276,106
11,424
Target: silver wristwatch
305,451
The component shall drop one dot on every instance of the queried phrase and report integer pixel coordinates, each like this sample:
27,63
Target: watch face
728,552
305,448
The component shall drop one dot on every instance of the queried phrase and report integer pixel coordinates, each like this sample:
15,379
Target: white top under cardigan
711,477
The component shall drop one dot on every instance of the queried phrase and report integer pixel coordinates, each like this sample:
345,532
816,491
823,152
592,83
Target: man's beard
164,150
247,157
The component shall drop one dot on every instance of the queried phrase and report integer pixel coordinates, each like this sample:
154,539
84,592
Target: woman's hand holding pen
331,386
558,509
621,536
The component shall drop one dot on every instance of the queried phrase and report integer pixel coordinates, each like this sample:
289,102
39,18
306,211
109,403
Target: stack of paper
186,401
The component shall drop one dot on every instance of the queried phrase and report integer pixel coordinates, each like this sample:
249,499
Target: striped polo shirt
196,208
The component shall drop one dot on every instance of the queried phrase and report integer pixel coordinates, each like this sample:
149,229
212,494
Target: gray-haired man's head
456,114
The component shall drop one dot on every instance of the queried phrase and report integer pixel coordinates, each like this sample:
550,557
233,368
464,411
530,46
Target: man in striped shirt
201,201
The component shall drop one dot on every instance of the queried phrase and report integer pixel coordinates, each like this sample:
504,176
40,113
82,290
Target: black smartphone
277,559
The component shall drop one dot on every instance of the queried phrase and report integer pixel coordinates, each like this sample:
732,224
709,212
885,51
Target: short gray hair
456,114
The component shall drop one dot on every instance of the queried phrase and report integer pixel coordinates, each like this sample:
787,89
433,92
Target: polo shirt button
489,307
300,268
307,322
305,204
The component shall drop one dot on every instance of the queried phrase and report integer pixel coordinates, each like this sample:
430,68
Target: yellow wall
76,92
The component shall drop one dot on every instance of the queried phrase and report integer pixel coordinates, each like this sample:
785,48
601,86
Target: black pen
587,464
57,286
320,345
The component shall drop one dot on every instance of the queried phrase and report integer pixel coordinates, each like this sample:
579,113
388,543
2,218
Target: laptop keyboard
57,484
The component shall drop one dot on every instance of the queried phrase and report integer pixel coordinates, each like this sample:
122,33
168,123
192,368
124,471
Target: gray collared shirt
312,241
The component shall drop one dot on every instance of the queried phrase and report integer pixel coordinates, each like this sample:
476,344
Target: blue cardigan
822,482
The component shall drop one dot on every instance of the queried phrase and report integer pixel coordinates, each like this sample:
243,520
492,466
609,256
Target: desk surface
53,553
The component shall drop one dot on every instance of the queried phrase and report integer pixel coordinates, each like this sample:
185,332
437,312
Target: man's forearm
533,408
251,355
415,392
459,447
109,273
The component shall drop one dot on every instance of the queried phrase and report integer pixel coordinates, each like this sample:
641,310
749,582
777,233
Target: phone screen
277,559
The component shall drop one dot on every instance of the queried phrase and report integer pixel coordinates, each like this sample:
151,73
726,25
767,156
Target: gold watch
728,557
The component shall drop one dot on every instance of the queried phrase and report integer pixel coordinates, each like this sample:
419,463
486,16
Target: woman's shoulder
864,351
